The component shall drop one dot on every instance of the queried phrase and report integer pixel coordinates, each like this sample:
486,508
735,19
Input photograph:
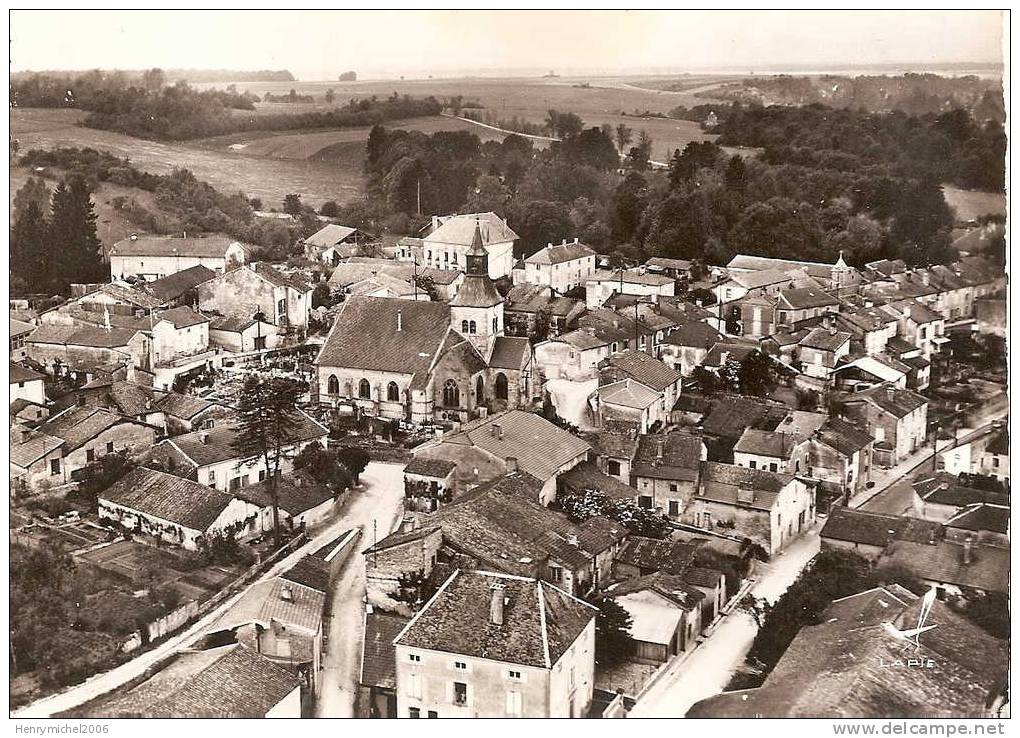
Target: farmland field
325,165
971,204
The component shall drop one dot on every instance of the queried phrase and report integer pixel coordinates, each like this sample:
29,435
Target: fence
172,620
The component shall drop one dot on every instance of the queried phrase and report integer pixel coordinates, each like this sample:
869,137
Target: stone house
604,284
178,332
665,471
512,665
239,333
561,267
428,483
768,508
686,347
258,288
574,355
525,303
26,384
821,351
452,236
896,418
665,615
153,257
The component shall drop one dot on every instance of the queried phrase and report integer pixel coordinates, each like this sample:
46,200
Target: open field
325,165
971,204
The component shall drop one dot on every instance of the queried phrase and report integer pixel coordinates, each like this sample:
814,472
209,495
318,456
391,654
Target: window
556,573
413,712
502,387
495,325
514,675
673,487
753,464
364,390
514,703
433,714
460,693
262,475
645,501
54,467
414,658
674,508
90,455
479,390
209,424
613,467
464,327
772,466
109,447
451,394
460,665
472,328
333,385
414,686
393,392
211,480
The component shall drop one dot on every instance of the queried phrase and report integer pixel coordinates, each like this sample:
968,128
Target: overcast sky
319,44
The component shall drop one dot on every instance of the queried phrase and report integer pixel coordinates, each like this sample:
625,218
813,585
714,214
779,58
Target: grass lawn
971,204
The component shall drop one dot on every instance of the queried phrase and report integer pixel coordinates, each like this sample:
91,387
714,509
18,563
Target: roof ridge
544,627
426,606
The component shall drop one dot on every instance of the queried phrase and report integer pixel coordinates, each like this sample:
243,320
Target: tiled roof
680,456
841,668
729,416
894,400
539,446
177,284
843,436
28,452
540,622
509,352
559,253
999,445
330,235
378,657
723,482
694,334
659,261
754,280
631,277
279,278
181,501
671,557
773,444
733,352
276,599
182,317
532,298
465,351
365,335
946,489
612,444
583,339
19,373
587,476
212,246
74,335
917,311
988,569
876,529
124,293
628,393
19,328
216,444
645,369
673,587
78,425
296,493
309,571
981,516
804,298
182,406
824,339
764,263
219,683
460,230
426,467
356,270
232,323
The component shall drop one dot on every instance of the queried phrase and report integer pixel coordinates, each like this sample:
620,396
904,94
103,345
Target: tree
324,466
330,209
613,641
256,203
30,246
355,459
100,474
34,190
321,296
73,233
330,96
268,415
624,135
563,125
427,284
756,374
292,204
154,79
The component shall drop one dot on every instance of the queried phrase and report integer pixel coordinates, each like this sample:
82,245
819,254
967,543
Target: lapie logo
912,636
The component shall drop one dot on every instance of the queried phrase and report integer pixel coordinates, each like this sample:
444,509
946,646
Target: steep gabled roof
211,246
560,253
177,500
174,285
645,369
460,230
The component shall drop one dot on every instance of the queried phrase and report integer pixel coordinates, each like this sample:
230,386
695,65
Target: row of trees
53,239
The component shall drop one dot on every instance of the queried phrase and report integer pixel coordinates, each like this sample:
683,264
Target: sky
317,45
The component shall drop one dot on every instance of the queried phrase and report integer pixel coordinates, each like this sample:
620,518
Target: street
381,496
709,668
381,501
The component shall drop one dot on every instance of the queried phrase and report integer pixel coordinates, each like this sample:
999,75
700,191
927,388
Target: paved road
100,684
380,501
709,668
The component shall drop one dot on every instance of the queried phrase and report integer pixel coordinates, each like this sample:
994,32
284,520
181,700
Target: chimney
511,465
203,437
890,395
297,480
723,357
286,594
80,399
400,320
658,451
134,237
497,431
572,539
435,222
968,542
497,603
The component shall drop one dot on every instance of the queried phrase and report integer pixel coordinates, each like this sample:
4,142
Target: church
428,361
